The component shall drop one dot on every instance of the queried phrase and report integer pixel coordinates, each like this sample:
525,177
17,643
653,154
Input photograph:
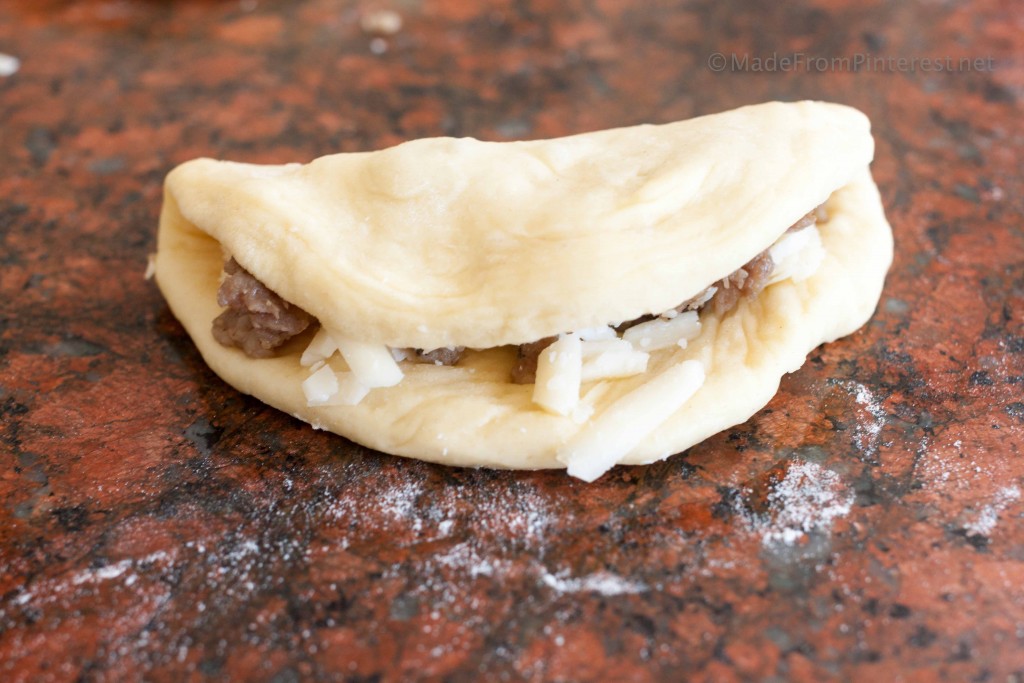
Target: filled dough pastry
605,298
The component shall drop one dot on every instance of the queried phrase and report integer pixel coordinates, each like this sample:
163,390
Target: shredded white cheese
350,391
596,348
797,255
663,334
321,348
605,440
615,362
320,386
372,364
401,354
597,333
557,385
581,412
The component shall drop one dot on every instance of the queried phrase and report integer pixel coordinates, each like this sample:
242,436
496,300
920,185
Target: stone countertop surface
156,524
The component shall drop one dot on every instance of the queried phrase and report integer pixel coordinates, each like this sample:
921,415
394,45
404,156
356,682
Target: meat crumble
257,320
525,369
748,281
442,356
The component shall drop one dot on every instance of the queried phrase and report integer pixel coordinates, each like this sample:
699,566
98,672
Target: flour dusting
989,516
809,498
602,583
465,558
110,571
397,503
49,590
941,465
470,531
868,432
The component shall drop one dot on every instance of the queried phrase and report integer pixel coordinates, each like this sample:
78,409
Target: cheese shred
609,437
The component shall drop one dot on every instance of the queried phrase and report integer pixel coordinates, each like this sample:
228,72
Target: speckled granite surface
156,525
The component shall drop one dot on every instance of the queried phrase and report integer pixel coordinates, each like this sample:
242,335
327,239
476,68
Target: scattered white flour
865,398
110,571
396,502
942,465
465,558
809,498
246,549
48,590
868,432
603,583
519,513
399,502
467,534
986,521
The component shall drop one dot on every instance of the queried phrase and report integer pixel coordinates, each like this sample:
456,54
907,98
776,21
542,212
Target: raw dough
444,242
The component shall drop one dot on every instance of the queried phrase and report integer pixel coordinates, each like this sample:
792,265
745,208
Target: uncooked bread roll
612,246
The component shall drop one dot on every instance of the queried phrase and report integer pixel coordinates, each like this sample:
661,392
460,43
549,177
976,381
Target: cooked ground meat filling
747,281
525,369
442,356
258,321
809,219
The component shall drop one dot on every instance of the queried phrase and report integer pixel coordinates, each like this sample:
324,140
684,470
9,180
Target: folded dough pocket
610,297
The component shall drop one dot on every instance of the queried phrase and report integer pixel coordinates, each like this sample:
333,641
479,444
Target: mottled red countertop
155,524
